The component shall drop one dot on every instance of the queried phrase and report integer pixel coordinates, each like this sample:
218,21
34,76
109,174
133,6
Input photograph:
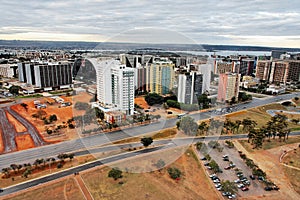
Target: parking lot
256,188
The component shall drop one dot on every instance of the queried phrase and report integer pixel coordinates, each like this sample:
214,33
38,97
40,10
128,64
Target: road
88,142
164,144
34,133
8,133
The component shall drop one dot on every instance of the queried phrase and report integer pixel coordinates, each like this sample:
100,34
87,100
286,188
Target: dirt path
269,161
83,188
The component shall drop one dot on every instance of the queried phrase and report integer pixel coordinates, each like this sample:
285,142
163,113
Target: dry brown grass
66,189
141,102
154,185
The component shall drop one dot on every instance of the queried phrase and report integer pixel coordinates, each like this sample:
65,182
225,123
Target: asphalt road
164,144
107,138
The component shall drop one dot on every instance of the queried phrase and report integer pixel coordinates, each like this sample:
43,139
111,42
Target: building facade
160,76
6,71
263,68
228,86
189,87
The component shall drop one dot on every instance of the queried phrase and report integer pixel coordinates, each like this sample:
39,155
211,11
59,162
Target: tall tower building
228,86
160,76
115,85
263,69
189,87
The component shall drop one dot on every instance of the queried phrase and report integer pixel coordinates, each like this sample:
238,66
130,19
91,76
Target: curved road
107,138
164,144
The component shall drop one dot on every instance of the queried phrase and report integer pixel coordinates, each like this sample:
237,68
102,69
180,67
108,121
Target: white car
217,185
241,185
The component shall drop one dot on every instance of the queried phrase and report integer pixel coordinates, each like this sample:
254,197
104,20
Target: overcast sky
256,22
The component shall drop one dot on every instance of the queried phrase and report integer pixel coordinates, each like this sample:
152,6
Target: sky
273,23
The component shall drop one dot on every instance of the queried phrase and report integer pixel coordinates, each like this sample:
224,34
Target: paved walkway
86,193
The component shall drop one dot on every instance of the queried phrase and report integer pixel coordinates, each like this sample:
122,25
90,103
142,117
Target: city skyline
261,23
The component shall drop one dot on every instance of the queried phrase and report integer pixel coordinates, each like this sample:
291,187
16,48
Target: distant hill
55,45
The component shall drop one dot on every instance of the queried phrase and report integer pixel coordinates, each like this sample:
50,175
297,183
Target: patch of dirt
268,161
24,142
141,102
18,126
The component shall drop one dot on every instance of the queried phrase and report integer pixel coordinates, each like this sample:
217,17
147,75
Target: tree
25,106
14,89
201,147
248,124
228,186
53,118
174,172
233,100
188,125
99,113
146,141
213,144
203,127
214,166
115,173
238,124
154,98
204,101
295,121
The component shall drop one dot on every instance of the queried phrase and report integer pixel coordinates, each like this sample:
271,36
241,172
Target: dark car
226,159
206,164
268,188
226,168
252,177
204,158
1,190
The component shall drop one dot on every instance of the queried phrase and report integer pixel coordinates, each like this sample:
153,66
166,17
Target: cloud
203,21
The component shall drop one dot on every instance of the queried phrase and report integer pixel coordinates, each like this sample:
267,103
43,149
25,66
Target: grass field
153,185
294,178
66,189
271,144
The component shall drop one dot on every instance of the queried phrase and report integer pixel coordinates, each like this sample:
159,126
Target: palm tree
238,123
248,124
202,128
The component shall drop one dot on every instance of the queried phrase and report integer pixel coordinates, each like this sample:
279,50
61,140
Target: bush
174,173
59,165
115,173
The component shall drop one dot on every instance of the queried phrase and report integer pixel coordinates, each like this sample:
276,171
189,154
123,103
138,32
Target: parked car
268,188
212,175
1,190
232,165
240,185
245,189
237,181
218,185
204,158
225,156
206,164
228,167
226,159
216,181
252,177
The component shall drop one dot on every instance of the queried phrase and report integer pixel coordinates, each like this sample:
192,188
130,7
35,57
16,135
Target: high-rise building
263,68
115,85
46,75
6,70
189,87
53,75
228,86
246,67
284,71
122,82
275,54
222,67
160,76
